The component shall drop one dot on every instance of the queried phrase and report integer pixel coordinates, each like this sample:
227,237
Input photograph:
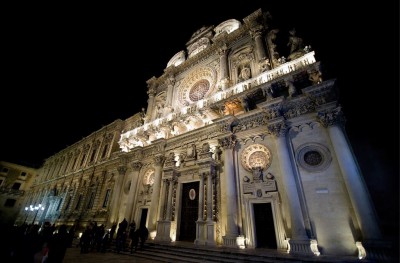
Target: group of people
137,236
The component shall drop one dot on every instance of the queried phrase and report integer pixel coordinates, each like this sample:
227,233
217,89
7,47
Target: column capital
228,142
170,80
136,166
122,169
278,129
158,160
256,31
223,50
330,117
151,91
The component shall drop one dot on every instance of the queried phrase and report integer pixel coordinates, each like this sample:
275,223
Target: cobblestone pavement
74,255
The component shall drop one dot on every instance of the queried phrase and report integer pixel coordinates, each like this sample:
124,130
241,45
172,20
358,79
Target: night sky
69,70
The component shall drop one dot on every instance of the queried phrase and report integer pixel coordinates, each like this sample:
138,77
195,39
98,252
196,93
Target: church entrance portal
189,211
264,226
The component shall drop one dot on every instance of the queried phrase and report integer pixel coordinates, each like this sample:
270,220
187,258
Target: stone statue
245,103
295,43
315,76
143,116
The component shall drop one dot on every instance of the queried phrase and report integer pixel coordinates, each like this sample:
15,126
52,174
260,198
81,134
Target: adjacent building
15,180
240,146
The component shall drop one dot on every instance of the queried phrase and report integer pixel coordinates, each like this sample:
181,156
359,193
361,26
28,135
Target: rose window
199,89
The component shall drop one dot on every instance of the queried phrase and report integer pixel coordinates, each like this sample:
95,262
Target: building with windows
240,146
15,180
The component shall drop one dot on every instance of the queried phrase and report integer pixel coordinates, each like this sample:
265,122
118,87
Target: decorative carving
158,159
170,81
228,142
136,166
331,117
108,137
296,108
197,85
250,122
170,160
315,76
122,169
223,50
148,178
291,88
256,156
191,152
278,129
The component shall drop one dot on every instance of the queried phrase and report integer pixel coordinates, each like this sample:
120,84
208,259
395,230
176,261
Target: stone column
231,233
201,198
358,193
155,197
164,200
169,199
299,241
209,198
117,192
132,191
223,65
150,102
256,34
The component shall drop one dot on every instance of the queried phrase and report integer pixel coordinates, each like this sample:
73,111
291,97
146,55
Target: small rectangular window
104,151
10,203
91,201
59,204
78,204
106,198
68,203
83,159
93,155
23,173
16,186
4,170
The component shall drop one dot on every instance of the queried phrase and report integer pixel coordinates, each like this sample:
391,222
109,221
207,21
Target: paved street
73,255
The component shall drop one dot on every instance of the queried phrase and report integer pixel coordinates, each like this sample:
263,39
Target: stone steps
188,252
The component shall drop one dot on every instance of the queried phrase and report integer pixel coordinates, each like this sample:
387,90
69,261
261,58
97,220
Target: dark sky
69,70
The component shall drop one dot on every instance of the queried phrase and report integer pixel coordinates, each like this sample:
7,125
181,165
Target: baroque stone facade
240,146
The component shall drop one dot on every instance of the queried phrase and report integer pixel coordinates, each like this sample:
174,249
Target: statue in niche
245,73
205,148
218,153
271,37
267,92
245,103
143,116
291,88
295,43
191,151
315,77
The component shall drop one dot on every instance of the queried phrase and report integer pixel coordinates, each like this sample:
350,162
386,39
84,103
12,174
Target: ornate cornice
250,122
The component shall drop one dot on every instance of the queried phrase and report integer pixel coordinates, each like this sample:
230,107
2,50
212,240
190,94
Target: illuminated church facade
240,146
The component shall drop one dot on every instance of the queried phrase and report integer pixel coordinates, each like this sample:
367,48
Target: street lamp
34,208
